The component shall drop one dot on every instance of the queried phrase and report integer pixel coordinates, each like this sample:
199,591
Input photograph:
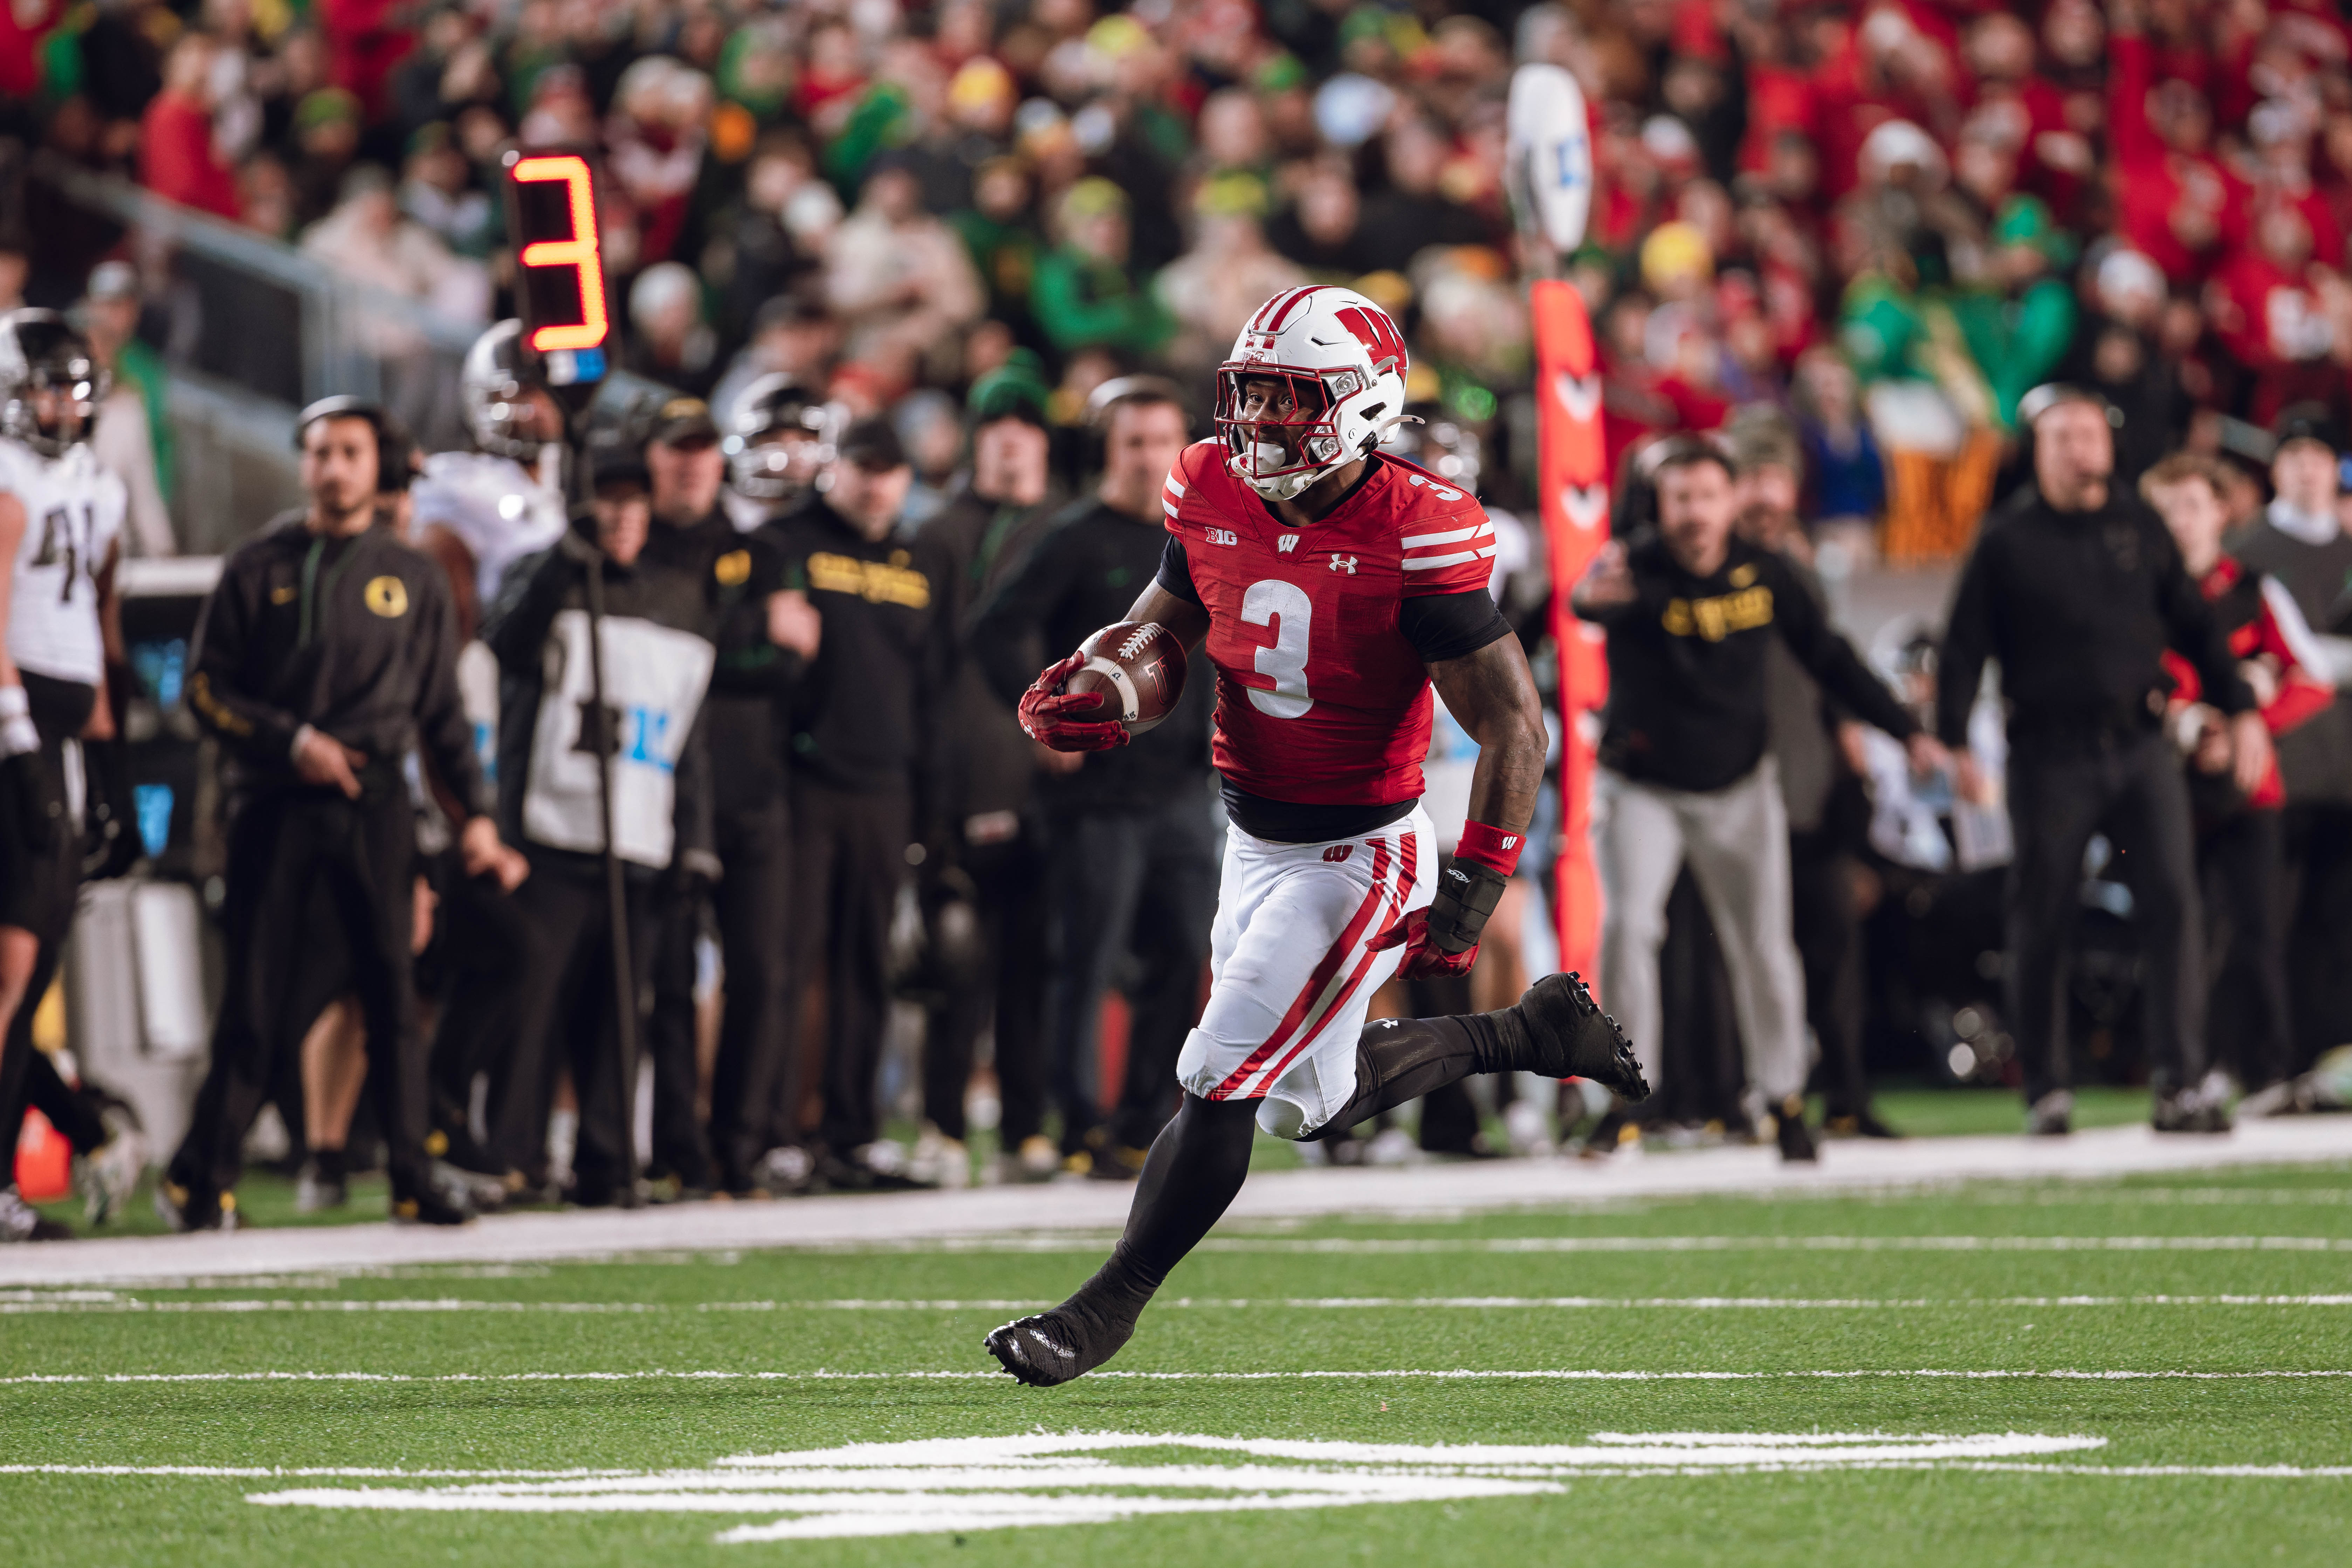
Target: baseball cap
113,281
611,462
2306,422
2049,395
872,444
683,419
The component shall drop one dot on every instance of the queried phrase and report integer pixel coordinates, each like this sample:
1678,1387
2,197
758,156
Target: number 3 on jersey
1286,609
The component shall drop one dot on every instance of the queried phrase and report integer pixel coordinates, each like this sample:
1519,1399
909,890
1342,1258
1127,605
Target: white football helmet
1340,362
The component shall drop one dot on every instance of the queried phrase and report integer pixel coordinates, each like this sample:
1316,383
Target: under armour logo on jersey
1344,564
1221,536
1337,853
1286,543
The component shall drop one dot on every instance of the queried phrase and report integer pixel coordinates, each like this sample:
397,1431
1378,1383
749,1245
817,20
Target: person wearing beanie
984,868
1133,850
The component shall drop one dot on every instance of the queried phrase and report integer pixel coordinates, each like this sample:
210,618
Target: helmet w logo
1378,333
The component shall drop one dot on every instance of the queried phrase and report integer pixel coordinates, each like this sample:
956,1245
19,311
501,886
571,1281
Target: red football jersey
1320,699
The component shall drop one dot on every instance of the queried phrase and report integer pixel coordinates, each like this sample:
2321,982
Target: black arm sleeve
1967,643
1447,625
1176,572
529,594
1831,659
216,688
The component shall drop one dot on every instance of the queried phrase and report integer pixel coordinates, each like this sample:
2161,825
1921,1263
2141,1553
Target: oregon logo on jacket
654,680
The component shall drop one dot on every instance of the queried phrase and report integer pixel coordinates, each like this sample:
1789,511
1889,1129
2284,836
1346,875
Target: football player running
1330,586
61,525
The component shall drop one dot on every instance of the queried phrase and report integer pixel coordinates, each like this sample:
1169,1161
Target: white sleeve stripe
1176,485
1431,563
1451,536
2294,629
1167,507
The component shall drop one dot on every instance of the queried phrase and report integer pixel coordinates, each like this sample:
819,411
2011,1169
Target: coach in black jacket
326,653
2077,588
1134,848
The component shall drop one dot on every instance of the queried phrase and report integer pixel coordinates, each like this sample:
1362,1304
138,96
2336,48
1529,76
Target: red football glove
1044,703
1424,959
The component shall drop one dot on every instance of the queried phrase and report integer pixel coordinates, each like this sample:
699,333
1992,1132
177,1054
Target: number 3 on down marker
579,252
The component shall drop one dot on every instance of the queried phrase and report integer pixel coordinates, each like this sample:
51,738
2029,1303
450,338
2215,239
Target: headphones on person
395,449
1103,406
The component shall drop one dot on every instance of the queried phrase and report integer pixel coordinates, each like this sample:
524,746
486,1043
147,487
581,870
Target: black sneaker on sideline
1053,1347
20,1221
2189,1112
1796,1138
1572,1038
429,1208
186,1209
2052,1116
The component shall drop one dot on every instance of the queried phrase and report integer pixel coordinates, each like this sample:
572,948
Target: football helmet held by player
1315,378
779,434
496,386
50,387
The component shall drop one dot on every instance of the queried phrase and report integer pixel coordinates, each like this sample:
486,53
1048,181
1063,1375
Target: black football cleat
1796,1138
1051,1348
1570,1037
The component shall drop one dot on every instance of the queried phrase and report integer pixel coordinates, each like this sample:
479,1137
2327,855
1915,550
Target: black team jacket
2079,608
1688,665
356,637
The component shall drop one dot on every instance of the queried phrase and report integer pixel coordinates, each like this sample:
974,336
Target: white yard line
1394,1375
79,1303
975,1215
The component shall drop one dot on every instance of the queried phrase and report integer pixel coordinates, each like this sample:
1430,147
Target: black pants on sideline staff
358,854
2319,940
1006,989
565,1018
483,946
753,1072
2060,794
849,855
2241,862
1828,931
672,1038
1144,882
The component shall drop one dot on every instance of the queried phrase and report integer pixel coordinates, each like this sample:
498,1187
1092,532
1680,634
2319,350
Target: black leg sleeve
1403,1058
1196,1165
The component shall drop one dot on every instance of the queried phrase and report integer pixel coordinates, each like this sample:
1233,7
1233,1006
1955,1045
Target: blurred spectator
1230,271
177,158
668,340
133,440
1084,296
897,277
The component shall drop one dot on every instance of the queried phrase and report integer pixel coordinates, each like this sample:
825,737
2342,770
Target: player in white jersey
60,522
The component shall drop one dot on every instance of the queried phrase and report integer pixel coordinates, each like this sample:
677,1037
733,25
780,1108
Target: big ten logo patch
891,582
1221,536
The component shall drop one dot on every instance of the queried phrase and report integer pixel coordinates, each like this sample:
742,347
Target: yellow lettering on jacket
1711,620
875,582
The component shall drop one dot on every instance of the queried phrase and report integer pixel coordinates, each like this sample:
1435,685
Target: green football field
2155,1370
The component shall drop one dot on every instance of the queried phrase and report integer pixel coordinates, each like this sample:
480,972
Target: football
1139,669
